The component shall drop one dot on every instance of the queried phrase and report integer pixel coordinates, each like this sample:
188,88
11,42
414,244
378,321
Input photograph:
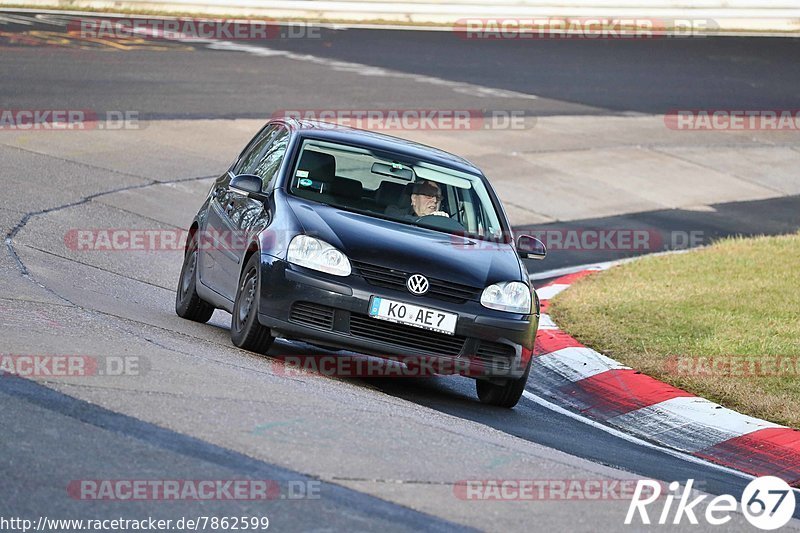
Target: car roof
336,133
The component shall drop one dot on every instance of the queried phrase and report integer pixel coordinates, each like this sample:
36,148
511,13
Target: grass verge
722,322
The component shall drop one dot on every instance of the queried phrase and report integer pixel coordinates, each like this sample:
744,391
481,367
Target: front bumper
303,304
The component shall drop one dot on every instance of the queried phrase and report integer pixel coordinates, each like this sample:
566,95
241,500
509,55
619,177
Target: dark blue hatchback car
358,241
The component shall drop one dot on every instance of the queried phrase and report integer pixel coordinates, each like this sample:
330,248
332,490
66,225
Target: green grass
737,301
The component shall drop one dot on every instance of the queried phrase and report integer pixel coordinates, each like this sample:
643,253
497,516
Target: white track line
549,292
367,70
558,272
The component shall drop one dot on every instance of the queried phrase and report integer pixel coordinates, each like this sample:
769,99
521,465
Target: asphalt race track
382,454
569,76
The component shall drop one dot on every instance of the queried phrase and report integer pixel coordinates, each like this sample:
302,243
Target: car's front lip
284,284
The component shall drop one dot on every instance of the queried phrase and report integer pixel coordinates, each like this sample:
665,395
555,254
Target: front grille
396,279
314,315
495,354
406,337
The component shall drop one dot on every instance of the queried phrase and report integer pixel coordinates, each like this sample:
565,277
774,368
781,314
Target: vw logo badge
417,284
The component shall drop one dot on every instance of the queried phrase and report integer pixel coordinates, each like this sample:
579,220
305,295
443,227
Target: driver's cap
428,188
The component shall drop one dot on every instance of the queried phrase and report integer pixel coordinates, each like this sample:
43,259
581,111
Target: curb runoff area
603,389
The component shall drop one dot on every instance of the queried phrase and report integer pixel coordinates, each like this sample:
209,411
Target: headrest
346,188
389,193
319,166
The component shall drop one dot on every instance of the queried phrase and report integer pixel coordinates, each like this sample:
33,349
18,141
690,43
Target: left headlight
511,296
318,255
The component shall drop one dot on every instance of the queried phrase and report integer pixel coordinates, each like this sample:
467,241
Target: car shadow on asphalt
597,240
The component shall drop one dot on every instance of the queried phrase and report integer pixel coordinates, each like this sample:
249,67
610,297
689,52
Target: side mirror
531,248
248,185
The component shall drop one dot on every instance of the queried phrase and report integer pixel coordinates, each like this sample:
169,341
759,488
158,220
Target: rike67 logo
767,503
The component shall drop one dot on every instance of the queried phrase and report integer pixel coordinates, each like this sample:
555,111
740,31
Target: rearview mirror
395,170
248,185
531,248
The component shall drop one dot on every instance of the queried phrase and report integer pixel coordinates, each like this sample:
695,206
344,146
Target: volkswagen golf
358,241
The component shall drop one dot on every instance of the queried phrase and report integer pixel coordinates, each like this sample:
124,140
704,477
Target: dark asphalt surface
71,437
570,76
648,76
670,229
608,77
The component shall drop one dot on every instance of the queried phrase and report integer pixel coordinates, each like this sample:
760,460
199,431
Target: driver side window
271,157
265,156
250,155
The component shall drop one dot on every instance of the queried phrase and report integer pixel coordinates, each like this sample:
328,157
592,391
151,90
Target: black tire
246,331
506,395
188,304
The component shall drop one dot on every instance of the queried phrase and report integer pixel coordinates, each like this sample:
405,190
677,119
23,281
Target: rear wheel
188,304
505,395
246,331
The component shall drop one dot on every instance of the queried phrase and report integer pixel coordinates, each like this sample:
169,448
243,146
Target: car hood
409,248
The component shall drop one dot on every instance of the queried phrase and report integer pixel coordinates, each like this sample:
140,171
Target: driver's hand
440,214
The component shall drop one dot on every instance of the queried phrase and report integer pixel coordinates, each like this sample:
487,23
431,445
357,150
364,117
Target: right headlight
511,296
318,255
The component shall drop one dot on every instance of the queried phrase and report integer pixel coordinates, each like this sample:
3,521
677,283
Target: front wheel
188,304
246,331
505,395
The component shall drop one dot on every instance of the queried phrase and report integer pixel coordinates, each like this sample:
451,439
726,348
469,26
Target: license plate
413,315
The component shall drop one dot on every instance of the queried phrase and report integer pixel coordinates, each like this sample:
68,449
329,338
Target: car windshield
389,186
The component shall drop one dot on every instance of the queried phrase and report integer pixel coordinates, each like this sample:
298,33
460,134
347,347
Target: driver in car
426,198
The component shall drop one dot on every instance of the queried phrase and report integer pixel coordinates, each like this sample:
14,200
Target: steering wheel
440,222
